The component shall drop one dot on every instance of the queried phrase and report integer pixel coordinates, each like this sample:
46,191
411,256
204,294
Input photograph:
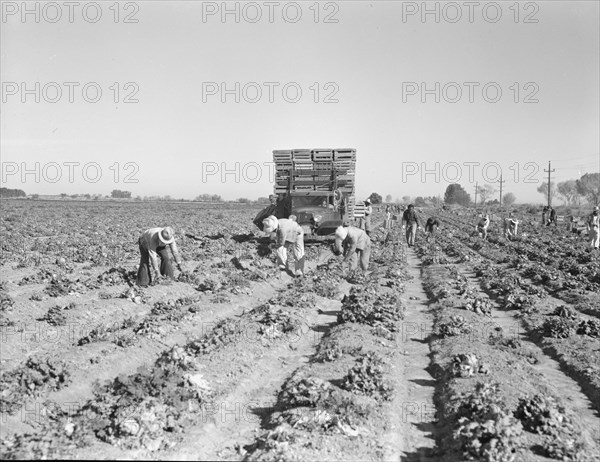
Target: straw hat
341,232
166,235
270,224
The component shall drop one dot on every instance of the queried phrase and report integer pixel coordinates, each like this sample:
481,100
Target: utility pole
501,181
549,171
476,183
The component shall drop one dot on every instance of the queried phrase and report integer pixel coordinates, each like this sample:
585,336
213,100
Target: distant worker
368,212
410,221
552,217
545,216
511,226
482,226
355,245
388,216
289,234
154,243
571,224
592,226
432,225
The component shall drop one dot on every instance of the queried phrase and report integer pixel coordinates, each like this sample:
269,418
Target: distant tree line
6,192
572,191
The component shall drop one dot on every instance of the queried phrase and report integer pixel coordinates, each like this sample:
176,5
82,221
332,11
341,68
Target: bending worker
431,225
511,226
289,234
154,243
482,226
355,245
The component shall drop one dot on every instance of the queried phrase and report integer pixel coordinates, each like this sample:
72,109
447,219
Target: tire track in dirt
411,436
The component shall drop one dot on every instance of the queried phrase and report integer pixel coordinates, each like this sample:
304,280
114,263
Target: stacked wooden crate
315,170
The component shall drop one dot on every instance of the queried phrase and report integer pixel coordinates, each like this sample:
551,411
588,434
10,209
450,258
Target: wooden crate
359,210
303,165
322,155
282,155
344,165
323,166
283,166
301,154
344,154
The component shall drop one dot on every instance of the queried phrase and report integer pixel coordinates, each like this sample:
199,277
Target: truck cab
314,187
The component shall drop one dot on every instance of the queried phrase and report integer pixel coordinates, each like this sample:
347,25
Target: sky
184,98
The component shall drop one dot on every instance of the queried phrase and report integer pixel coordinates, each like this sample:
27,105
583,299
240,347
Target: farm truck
316,186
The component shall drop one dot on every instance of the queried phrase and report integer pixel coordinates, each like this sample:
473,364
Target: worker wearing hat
482,226
289,235
510,226
592,226
355,245
154,243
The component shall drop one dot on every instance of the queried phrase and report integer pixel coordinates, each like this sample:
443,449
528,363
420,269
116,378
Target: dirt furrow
234,418
411,436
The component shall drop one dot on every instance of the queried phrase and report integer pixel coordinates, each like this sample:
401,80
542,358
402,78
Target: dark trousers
166,265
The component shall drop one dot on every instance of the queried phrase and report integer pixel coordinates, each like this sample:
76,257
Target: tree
63,195
118,194
543,189
6,192
589,187
455,194
209,198
243,200
567,190
375,198
508,199
485,192
263,200
388,198
406,199
420,202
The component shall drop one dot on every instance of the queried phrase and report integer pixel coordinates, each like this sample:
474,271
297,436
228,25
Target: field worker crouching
482,226
355,245
289,234
592,226
410,222
154,243
432,225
